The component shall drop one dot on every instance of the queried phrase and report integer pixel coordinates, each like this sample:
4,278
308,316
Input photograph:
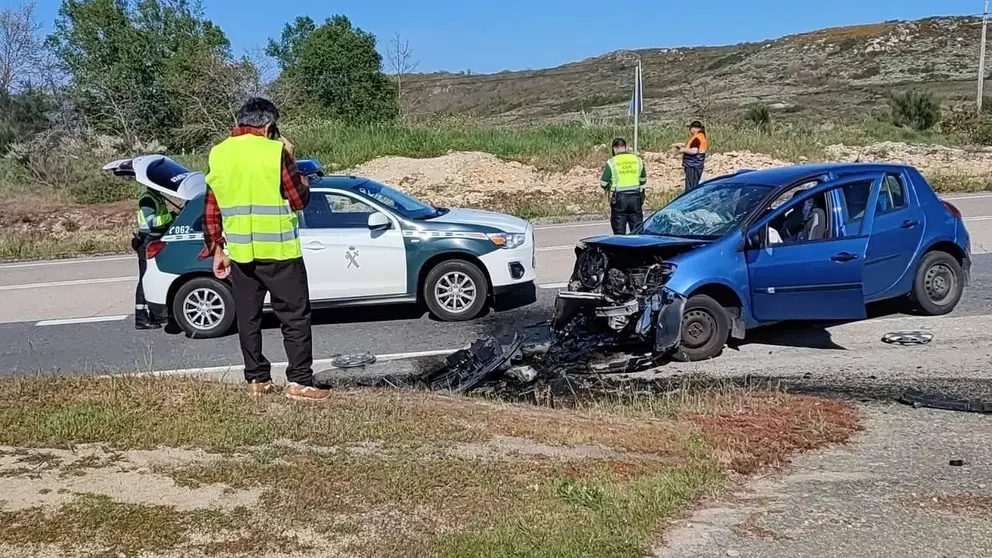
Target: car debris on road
907,338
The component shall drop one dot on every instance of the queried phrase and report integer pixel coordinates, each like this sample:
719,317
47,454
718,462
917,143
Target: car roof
783,176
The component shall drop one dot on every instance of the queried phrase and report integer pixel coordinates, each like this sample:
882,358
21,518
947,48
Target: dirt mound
476,179
928,159
54,220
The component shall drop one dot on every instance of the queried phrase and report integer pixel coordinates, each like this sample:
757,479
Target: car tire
938,285
456,291
204,308
705,330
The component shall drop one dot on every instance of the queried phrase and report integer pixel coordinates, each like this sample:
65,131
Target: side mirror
379,221
753,240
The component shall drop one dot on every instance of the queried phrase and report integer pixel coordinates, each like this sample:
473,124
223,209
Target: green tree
287,50
23,115
131,64
337,69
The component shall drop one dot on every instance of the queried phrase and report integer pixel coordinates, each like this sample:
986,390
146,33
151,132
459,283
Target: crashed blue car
810,242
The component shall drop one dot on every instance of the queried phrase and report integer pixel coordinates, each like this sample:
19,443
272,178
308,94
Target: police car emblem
351,254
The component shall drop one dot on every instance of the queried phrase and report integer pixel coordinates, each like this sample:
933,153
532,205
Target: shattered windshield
709,211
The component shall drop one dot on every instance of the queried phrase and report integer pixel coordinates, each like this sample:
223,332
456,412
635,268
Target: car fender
716,266
421,259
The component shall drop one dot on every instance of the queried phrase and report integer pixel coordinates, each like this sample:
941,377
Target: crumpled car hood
642,241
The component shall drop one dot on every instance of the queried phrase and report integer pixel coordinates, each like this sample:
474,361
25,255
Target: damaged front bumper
654,318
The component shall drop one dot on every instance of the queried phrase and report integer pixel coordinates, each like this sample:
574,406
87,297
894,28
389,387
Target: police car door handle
314,245
909,223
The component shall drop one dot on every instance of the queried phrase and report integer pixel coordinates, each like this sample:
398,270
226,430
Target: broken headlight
508,240
591,267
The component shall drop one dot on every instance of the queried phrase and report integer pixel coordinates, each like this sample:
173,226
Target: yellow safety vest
246,178
625,172
162,216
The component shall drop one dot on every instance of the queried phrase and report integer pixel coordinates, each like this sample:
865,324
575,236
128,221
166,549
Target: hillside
839,75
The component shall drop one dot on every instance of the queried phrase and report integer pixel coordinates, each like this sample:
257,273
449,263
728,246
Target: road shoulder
891,492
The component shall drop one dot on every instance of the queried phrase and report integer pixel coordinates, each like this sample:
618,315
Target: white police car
364,243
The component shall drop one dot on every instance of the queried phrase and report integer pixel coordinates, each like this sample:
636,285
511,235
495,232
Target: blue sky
514,34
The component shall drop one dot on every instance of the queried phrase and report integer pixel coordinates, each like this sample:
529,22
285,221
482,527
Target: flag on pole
636,106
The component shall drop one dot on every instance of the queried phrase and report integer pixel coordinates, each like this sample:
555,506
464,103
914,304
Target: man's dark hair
619,142
258,112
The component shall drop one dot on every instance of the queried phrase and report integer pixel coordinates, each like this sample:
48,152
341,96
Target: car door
896,233
819,279
346,259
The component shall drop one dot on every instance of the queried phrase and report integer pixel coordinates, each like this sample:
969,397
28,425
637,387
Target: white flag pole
637,101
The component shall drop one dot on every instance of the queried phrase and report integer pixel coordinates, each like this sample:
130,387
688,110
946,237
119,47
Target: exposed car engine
621,291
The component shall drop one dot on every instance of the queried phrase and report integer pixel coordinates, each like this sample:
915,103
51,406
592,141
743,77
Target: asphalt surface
892,492
74,316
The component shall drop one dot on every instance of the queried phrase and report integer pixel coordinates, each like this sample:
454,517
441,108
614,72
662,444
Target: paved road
74,315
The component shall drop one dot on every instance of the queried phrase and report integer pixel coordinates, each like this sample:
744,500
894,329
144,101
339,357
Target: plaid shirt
295,189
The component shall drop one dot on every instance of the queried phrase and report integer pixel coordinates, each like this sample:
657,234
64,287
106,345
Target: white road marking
67,283
73,261
554,286
73,321
316,363
978,218
974,197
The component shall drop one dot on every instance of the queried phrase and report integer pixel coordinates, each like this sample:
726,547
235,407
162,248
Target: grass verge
385,473
34,246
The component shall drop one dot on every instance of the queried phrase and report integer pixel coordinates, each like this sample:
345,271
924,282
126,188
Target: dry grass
396,473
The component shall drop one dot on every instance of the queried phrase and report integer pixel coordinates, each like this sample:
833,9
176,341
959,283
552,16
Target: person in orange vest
694,155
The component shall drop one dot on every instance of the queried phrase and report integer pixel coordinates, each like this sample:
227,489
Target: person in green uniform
623,179
154,219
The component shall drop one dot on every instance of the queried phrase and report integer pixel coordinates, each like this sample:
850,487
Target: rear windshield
192,215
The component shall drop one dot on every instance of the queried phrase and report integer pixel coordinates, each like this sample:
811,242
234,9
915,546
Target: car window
336,211
810,221
856,201
793,192
892,196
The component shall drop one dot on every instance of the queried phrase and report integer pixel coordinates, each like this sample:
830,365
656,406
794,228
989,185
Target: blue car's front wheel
705,330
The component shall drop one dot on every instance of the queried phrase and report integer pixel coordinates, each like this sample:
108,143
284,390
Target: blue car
810,242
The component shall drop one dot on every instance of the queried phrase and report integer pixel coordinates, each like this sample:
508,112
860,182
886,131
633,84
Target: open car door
814,276
162,174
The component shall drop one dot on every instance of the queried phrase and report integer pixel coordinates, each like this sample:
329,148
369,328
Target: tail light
954,210
154,247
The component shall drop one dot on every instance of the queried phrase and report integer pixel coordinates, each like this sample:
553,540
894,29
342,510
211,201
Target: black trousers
140,244
692,177
286,282
626,209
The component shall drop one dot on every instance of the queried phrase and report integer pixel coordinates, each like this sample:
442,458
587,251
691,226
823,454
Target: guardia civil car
364,243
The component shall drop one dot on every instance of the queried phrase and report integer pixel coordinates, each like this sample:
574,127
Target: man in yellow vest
254,193
154,219
623,179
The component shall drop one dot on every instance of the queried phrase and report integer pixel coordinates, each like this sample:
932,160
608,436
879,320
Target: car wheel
204,308
938,285
456,291
705,330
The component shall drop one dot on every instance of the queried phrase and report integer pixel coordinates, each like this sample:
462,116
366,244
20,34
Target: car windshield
399,202
707,212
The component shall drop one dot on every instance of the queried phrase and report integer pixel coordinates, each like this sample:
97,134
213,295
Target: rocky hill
840,75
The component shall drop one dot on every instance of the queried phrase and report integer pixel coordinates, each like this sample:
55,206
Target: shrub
917,110
760,117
